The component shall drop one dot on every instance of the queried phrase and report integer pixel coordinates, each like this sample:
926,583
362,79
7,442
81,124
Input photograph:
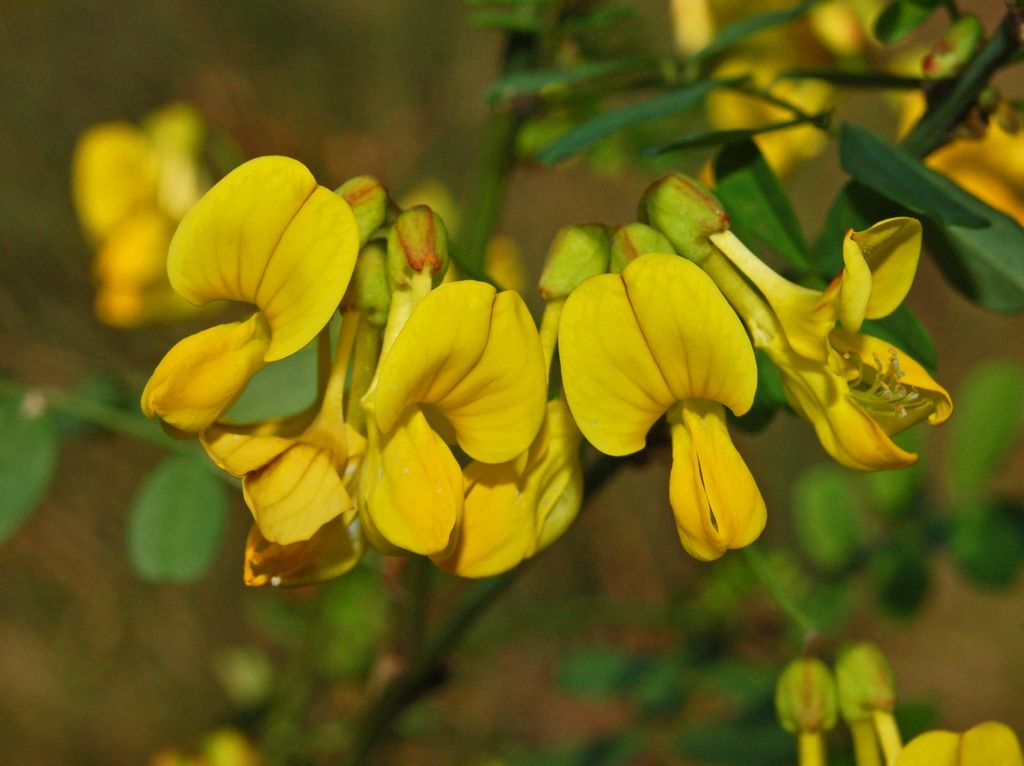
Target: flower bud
368,290
418,241
632,241
865,682
805,696
369,202
685,211
954,49
578,252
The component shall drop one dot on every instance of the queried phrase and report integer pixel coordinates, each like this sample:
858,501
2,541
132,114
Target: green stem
932,131
762,570
418,676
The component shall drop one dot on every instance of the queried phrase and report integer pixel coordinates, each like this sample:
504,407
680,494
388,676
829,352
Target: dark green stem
762,570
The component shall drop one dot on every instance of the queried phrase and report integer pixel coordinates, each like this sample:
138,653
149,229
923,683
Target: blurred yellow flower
224,747
131,186
660,339
987,744
856,390
265,235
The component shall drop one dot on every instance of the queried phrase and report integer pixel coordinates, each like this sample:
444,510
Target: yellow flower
466,368
131,186
987,744
266,235
657,339
856,390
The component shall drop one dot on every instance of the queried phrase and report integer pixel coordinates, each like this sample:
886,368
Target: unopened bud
368,290
369,202
805,696
684,211
578,252
954,49
417,242
634,240
865,682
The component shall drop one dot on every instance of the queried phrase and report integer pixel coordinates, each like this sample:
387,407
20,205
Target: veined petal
880,264
695,337
202,375
412,485
714,497
991,744
613,385
296,494
241,449
331,552
267,234
114,174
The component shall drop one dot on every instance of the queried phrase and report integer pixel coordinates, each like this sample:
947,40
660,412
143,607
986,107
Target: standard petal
991,744
331,552
890,251
614,387
497,408
296,494
202,375
412,485
695,337
266,234
714,497
438,346
114,174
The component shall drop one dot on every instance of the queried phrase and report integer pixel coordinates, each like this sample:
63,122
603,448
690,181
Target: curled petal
613,385
296,494
331,552
202,375
880,264
411,485
696,339
714,497
266,234
475,358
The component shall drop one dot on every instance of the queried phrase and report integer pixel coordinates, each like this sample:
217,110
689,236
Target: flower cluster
436,430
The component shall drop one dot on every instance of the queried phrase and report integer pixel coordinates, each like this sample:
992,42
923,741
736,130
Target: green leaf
900,177
898,493
743,743
601,17
28,459
902,329
901,18
740,30
517,84
826,517
599,671
759,209
989,418
353,623
727,137
593,130
988,545
508,22
855,79
104,389
855,207
901,576
177,521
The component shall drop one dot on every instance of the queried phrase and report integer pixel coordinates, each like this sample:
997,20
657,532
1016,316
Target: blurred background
100,667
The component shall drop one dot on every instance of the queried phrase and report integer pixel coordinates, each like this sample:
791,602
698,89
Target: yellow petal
991,744
241,449
504,263
880,264
114,174
296,494
933,748
714,497
136,251
331,552
411,485
266,234
696,339
560,475
202,375
475,358
613,385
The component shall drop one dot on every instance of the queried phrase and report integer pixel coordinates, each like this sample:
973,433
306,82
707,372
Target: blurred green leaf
988,544
177,521
915,718
900,177
600,670
901,576
516,84
508,22
989,418
902,329
898,490
28,459
855,79
105,389
830,605
768,397
743,743
826,519
603,125
739,31
727,137
613,751
902,17
855,207
742,684
598,18
759,209
353,622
